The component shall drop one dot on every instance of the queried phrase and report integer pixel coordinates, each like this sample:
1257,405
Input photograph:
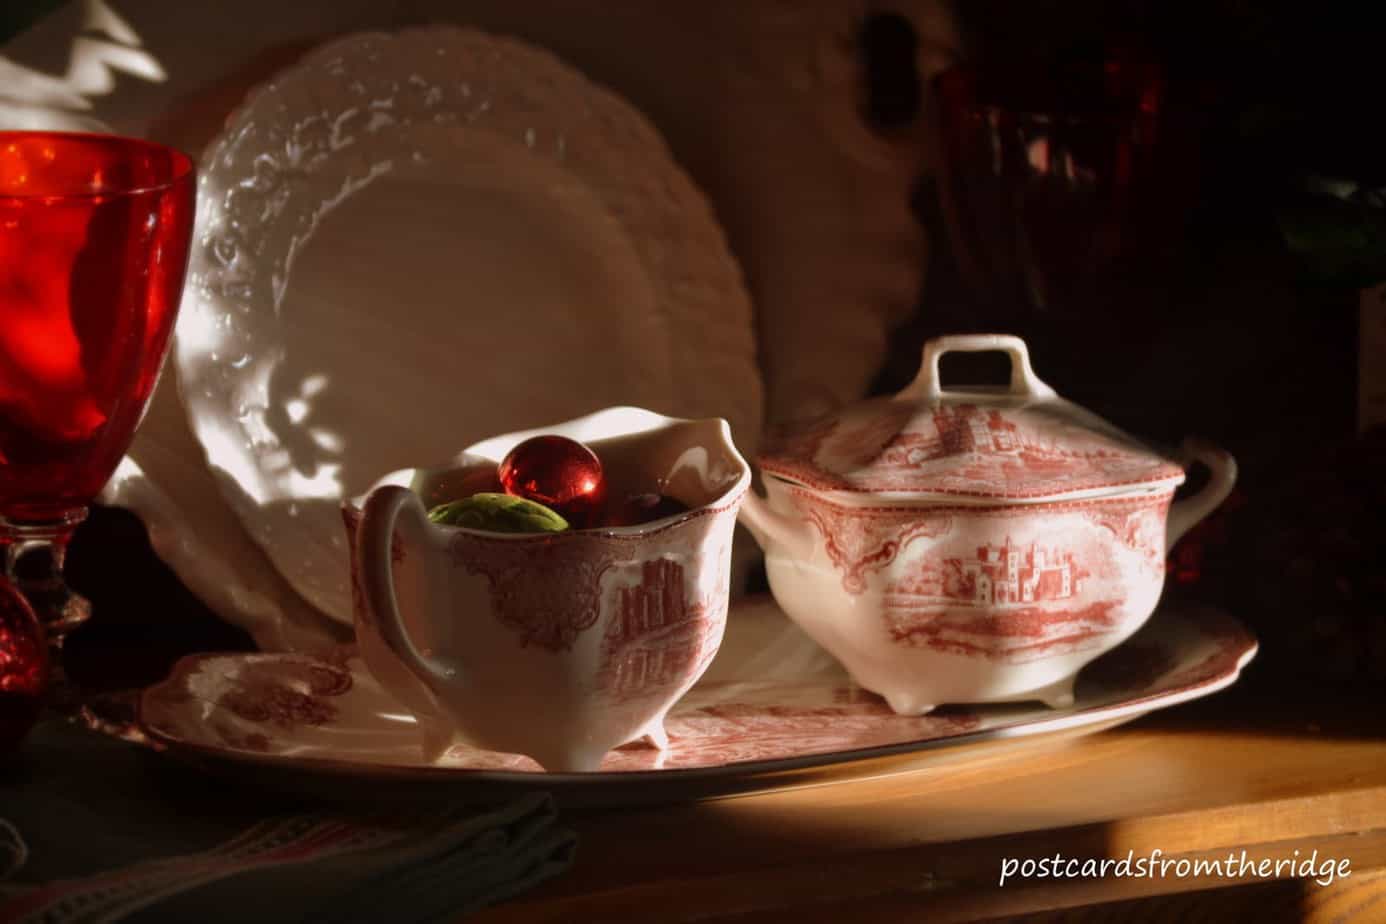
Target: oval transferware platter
773,710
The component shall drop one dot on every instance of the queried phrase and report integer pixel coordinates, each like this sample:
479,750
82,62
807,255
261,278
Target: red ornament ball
562,474
23,666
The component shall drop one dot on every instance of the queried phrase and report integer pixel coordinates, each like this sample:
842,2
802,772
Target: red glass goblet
1065,183
94,238
1040,164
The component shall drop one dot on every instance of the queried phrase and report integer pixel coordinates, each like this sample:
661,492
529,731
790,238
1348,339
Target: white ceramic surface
771,703
969,545
407,240
563,645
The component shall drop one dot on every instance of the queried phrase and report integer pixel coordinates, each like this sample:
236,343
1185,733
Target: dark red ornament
645,508
23,666
562,474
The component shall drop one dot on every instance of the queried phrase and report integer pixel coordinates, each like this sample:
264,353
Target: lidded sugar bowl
972,544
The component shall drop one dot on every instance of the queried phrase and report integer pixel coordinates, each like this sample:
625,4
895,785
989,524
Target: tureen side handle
389,508
1222,475
771,528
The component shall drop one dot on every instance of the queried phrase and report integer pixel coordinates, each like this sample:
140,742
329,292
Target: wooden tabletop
1236,772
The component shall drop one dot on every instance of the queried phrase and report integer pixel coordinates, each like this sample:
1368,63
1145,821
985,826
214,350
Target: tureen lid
1022,442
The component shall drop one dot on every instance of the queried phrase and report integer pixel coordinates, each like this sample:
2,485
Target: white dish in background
773,710
407,242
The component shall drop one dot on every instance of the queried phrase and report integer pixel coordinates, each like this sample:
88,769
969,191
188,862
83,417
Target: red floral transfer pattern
254,700
548,592
860,540
962,450
733,732
291,695
1138,523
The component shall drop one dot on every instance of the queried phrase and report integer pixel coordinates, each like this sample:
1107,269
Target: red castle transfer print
296,693
1059,580
656,637
971,446
1010,575
549,593
1056,579
957,431
1013,635
1008,601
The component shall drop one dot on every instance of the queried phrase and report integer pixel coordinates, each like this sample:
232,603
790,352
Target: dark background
15,15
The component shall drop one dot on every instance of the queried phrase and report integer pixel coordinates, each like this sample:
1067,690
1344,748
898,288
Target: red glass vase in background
94,237
1064,182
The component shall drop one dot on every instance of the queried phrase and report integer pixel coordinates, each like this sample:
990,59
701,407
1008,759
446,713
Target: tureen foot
908,704
1057,695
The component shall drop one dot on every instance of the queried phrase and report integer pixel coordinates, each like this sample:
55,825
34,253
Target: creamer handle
387,508
1222,475
1024,382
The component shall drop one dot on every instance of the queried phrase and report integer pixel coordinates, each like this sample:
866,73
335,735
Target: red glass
94,239
1062,180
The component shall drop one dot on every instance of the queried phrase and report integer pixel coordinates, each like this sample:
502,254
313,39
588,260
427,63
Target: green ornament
498,513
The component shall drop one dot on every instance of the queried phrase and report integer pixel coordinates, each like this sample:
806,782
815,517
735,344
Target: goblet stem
34,556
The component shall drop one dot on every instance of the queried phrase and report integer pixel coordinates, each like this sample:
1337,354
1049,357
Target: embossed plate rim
679,247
